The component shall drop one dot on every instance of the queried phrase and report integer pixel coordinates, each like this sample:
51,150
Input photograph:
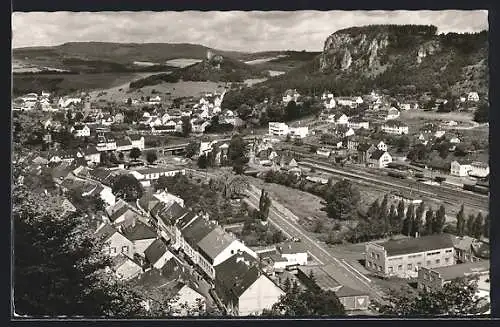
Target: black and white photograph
252,164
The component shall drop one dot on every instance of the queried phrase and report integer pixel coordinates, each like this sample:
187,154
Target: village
202,264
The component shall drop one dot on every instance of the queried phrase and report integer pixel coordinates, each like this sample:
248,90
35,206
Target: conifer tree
461,222
429,221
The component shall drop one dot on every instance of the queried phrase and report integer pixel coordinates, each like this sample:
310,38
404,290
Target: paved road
288,224
334,267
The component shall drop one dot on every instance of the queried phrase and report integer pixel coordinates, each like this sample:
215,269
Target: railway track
434,192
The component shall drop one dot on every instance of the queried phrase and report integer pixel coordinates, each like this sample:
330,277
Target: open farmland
182,62
67,83
175,90
431,115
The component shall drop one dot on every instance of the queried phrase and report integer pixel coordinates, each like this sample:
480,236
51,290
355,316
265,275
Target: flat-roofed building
403,258
435,278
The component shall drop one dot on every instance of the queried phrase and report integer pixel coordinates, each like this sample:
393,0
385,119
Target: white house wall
231,250
262,294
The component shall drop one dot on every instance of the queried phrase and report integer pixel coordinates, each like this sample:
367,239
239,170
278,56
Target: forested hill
217,69
397,58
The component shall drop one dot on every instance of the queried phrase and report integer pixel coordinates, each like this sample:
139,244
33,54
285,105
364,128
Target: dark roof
101,174
78,127
363,147
421,244
155,251
291,248
346,291
460,270
148,201
235,275
139,231
215,242
105,232
99,188
196,231
118,213
123,142
377,154
181,223
322,279
395,123
169,214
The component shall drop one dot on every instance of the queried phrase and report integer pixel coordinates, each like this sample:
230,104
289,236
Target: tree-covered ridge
409,29
227,70
456,62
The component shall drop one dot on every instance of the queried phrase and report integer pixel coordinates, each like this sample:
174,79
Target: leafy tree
461,222
408,222
202,161
121,156
481,115
418,223
470,225
59,261
374,210
429,221
401,210
129,101
477,227
486,227
237,153
104,158
187,127
127,187
135,153
151,156
342,200
439,220
292,111
297,303
192,149
264,204
453,299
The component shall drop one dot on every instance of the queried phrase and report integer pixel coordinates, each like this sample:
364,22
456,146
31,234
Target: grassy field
419,114
67,83
175,90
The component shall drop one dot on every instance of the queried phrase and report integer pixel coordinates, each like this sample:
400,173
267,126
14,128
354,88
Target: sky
229,30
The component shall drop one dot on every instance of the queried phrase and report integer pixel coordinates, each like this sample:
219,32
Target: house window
428,262
379,268
391,269
373,254
400,267
447,260
419,264
378,256
125,249
113,250
409,266
449,251
369,264
438,261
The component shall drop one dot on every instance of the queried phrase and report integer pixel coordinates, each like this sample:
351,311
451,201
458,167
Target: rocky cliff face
406,55
343,51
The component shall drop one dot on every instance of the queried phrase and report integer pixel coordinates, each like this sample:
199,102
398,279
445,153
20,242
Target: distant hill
112,57
398,58
216,69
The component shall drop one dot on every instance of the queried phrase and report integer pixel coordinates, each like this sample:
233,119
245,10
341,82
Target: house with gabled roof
186,301
141,235
125,268
192,234
113,241
243,288
80,130
379,159
216,247
165,216
157,254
